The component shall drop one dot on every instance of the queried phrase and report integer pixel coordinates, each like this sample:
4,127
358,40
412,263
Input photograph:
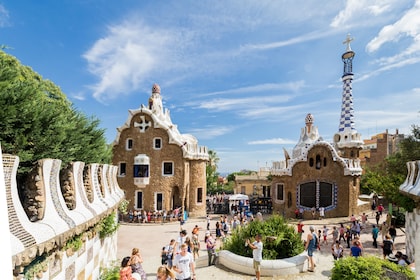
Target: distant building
256,184
378,147
160,168
321,174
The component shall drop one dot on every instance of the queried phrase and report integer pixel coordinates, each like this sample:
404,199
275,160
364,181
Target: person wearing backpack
311,246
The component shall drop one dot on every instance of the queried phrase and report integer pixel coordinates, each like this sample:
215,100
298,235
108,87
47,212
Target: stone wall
61,208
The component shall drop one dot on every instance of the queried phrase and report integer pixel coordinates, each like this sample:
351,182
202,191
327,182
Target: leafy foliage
110,273
280,240
38,121
211,173
74,243
108,225
369,267
385,179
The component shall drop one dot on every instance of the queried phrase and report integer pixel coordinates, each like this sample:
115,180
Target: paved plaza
150,238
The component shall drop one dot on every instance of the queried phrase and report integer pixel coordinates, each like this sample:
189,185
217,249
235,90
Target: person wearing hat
392,258
348,236
311,246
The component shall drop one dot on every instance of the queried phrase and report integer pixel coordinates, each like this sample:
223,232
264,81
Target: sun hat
392,258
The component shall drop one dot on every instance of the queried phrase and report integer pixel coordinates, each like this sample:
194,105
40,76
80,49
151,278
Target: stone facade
376,149
255,184
173,166
342,187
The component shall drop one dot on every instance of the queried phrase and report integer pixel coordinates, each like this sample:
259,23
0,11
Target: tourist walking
342,232
375,233
300,229
169,250
184,265
211,246
196,244
257,248
392,232
387,246
311,246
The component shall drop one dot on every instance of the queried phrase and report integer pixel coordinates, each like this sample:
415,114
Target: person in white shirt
257,247
184,265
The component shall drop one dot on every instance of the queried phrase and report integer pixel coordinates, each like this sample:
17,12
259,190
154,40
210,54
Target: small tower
347,140
155,101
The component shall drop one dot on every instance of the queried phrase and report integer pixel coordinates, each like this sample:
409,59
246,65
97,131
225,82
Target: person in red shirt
300,228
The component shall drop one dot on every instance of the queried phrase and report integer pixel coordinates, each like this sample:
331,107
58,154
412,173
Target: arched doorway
176,197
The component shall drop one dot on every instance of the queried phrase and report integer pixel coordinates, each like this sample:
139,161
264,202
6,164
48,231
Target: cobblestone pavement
150,238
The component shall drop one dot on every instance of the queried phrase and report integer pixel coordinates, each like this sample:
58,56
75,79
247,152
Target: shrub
369,267
110,273
108,225
280,240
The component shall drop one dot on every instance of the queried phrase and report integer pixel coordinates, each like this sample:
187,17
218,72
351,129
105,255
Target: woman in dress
135,263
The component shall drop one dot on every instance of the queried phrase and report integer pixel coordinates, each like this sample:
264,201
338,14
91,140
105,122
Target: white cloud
408,25
127,56
4,16
210,132
292,86
292,41
362,12
273,141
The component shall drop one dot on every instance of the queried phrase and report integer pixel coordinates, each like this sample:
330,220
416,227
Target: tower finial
347,41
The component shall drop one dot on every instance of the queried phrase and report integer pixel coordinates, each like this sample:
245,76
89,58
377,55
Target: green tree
386,178
38,121
211,173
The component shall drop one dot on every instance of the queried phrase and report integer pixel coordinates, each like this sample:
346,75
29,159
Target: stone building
160,168
321,174
254,184
378,147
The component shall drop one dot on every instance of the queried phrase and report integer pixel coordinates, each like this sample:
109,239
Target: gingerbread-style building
320,174
160,168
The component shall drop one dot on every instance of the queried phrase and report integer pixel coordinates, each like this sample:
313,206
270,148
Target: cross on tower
143,124
347,41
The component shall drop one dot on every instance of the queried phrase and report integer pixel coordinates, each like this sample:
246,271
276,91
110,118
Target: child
325,234
319,237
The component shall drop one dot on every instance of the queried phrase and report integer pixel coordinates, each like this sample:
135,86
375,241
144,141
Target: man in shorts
257,247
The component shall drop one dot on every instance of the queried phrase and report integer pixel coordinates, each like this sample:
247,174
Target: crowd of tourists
179,255
343,239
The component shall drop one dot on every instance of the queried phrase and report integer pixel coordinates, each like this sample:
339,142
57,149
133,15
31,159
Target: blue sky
238,75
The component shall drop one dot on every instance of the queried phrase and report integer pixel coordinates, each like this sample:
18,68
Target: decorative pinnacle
347,41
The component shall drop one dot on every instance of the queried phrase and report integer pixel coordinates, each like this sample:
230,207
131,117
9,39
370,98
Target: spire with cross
347,42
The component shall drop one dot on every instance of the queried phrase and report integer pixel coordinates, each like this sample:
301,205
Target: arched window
318,162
